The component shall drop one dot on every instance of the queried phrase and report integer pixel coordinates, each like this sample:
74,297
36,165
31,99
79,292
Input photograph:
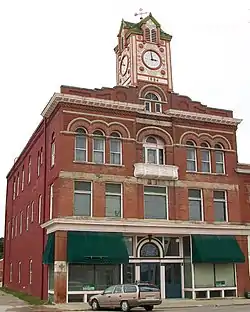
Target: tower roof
136,28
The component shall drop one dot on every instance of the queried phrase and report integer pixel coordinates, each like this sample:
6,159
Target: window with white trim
150,35
220,206
30,272
29,169
82,198
21,223
53,153
158,108
38,163
113,197
205,158
81,145
191,156
18,184
22,187
16,226
195,204
11,272
14,188
153,150
19,272
27,217
32,212
155,202
8,231
152,99
41,156
51,200
115,149
12,227
98,147
39,208
219,159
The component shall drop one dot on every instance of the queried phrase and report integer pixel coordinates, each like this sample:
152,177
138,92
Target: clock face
151,59
124,65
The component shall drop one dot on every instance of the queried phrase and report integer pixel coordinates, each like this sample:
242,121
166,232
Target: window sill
93,163
207,173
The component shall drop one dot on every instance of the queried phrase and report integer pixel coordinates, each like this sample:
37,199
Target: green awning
216,249
48,255
96,248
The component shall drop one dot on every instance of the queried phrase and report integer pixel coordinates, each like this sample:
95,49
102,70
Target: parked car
126,297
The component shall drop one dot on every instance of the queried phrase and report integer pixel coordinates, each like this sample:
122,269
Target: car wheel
149,307
95,305
125,306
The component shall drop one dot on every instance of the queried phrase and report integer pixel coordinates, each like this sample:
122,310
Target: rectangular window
29,169
205,161
219,162
115,152
153,155
30,272
51,199
148,106
53,153
113,195
22,187
98,150
80,148
129,243
21,223
8,233
27,217
32,212
220,206
16,226
19,272
18,184
82,198
155,202
195,205
191,159
38,164
41,156
158,108
14,188
39,208
12,227
11,272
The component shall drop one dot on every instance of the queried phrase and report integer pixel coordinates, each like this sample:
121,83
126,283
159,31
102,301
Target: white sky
47,43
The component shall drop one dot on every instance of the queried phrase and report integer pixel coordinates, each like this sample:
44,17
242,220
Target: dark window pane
205,155
161,157
82,186
129,273
171,246
113,188
129,243
219,168
82,204
80,155
80,142
129,289
219,211
205,167
113,206
219,195
118,289
190,153
149,250
191,165
148,288
194,193
155,189
115,145
155,207
195,210
219,156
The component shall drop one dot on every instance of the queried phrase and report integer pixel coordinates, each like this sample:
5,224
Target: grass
25,297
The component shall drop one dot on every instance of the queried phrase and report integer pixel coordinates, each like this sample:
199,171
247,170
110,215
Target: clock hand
151,56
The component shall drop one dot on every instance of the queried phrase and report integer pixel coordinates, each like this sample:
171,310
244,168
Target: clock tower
143,54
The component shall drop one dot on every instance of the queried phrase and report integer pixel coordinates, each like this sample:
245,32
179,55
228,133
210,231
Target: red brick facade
59,126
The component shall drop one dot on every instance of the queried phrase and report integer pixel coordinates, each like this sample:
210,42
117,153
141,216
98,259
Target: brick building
134,182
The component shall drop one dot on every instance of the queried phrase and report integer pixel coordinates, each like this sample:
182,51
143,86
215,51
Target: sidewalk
166,304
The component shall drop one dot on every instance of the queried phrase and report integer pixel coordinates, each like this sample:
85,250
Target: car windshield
148,288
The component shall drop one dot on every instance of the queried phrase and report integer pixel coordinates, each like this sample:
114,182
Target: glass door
150,273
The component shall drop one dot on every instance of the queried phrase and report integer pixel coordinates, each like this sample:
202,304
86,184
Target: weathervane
141,13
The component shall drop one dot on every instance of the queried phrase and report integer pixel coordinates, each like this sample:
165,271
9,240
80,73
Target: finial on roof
141,13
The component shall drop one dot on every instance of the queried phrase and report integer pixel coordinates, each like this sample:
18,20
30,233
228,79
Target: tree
1,247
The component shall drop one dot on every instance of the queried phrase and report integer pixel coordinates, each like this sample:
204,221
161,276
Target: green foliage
1,247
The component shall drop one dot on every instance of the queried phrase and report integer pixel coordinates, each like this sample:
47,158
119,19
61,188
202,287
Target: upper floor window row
99,147
204,158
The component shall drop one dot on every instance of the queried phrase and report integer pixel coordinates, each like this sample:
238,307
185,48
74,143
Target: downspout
44,196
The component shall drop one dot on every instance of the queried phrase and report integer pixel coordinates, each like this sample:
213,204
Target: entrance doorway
173,280
150,273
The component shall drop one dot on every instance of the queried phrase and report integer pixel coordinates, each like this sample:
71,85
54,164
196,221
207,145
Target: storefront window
51,277
214,275
129,244
129,273
171,246
93,277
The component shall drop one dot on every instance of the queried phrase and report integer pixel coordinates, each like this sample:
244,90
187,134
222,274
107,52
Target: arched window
152,98
191,156
149,250
53,150
153,150
147,34
80,145
219,158
98,147
115,149
153,35
205,158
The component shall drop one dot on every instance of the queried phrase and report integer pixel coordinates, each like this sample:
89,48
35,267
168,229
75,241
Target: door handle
109,296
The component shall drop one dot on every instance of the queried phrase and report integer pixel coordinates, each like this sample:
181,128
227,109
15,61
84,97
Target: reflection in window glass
129,273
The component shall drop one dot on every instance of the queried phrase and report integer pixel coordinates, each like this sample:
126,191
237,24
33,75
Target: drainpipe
44,196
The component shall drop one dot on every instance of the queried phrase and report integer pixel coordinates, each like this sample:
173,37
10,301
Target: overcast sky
48,43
